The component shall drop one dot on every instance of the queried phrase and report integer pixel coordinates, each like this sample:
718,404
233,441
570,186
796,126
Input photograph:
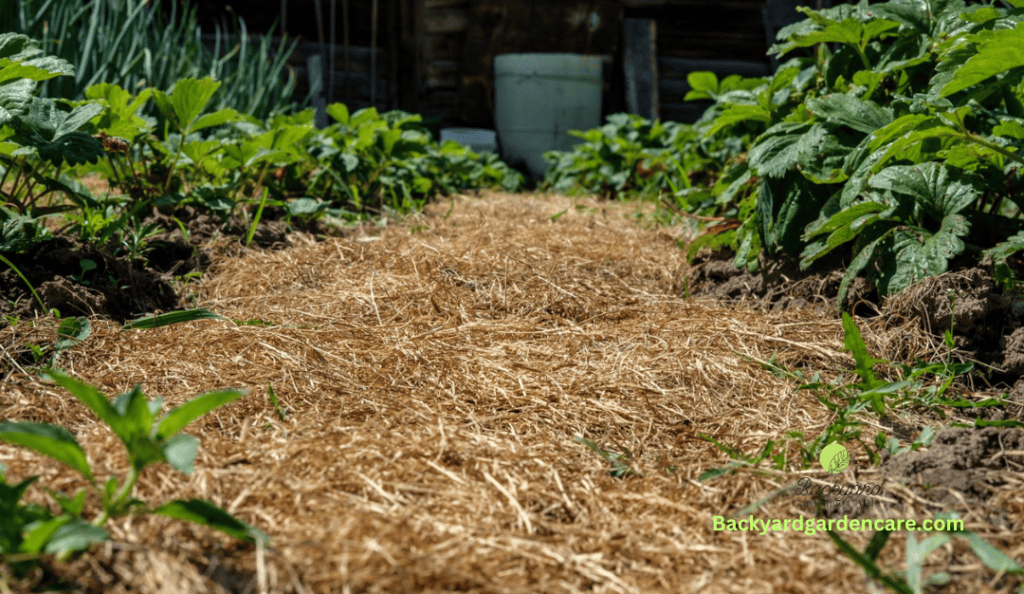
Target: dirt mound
962,465
80,280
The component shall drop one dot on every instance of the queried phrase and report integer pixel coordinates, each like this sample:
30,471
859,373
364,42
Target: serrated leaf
216,118
848,110
75,148
736,113
784,145
930,186
920,255
78,117
1002,52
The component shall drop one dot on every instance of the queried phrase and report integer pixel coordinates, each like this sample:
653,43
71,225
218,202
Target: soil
121,289
962,464
987,323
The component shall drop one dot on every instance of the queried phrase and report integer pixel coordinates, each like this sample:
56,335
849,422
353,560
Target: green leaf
921,255
97,402
78,117
992,557
187,100
72,332
848,110
75,535
929,184
703,85
180,452
75,148
855,344
215,119
339,111
177,419
306,207
136,412
52,441
736,113
38,534
784,145
843,227
207,514
1002,52
73,506
172,317
390,138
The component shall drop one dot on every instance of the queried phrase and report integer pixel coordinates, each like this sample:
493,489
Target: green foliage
27,531
135,44
897,147
37,138
912,580
619,461
628,154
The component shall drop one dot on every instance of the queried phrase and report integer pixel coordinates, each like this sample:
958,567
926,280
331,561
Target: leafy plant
28,531
894,145
619,460
912,580
38,136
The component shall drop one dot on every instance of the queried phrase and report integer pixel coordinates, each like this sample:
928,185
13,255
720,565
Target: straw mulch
433,380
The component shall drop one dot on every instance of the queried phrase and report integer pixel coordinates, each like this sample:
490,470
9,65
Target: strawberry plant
38,136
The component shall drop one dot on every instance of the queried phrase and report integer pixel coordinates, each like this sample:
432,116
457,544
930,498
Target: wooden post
332,62
393,34
373,55
348,60
640,62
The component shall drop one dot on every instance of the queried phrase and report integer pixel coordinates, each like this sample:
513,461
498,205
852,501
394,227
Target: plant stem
123,494
993,147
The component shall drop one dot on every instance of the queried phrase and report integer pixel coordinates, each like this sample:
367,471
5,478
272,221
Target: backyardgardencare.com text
811,525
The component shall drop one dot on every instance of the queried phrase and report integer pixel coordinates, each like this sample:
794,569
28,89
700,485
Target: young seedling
148,440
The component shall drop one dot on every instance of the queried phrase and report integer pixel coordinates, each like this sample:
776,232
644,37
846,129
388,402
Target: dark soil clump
115,288
962,465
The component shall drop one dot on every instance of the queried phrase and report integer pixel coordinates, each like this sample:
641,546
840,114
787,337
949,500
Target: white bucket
478,140
539,98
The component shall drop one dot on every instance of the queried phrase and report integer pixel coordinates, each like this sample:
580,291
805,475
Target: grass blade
171,317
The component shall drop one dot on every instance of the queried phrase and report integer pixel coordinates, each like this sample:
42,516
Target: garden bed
433,384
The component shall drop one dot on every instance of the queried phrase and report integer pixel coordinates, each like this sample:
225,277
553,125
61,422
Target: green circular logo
834,458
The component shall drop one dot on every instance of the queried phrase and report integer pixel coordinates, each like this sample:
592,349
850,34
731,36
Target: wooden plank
680,67
432,4
683,112
442,46
641,67
449,20
442,74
